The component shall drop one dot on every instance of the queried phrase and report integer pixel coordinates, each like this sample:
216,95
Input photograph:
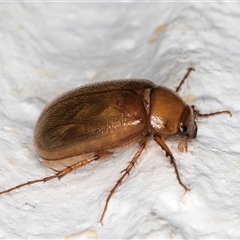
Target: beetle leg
58,175
75,166
184,78
163,145
126,171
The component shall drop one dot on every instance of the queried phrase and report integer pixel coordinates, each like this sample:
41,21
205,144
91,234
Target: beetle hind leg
163,145
58,174
75,166
125,172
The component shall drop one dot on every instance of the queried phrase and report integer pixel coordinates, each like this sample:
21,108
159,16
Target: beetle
95,119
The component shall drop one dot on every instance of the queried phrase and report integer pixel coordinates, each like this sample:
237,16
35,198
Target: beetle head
187,123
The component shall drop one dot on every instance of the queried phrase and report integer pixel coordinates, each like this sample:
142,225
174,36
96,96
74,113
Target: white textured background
48,48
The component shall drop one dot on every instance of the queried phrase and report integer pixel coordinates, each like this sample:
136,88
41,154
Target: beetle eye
183,130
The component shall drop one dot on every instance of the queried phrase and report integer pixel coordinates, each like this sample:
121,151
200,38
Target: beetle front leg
163,145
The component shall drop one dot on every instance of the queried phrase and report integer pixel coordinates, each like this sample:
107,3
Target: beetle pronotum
96,118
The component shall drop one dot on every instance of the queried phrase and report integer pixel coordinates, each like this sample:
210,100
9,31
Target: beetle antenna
214,113
198,114
185,77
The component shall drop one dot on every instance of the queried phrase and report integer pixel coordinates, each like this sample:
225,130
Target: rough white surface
48,48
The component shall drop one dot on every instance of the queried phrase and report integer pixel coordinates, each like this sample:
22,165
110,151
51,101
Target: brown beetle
94,119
